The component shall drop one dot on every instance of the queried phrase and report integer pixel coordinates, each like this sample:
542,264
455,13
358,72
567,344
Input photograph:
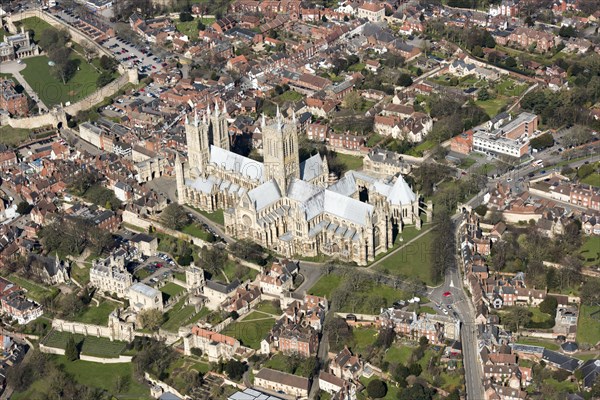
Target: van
539,162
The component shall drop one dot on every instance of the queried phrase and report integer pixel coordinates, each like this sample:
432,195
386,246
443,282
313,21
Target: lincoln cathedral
292,207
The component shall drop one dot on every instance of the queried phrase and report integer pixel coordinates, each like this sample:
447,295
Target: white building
144,297
109,274
374,12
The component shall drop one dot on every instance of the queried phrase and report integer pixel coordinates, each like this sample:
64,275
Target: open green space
289,95
492,107
80,274
89,345
540,318
250,333
398,353
190,28
13,137
466,163
588,325
254,316
374,139
422,147
35,291
141,273
509,87
35,24
97,315
52,90
179,276
269,308
392,390
325,285
233,270
171,290
590,251
593,179
550,345
350,162
562,386
363,338
216,217
101,376
196,230
412,260
178,316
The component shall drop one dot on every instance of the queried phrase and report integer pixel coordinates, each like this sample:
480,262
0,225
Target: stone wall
54,118
101,360
107,91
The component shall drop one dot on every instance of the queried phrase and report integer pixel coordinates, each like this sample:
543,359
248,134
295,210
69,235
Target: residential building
12,101
282,382
214,345
110,275
372,11
144,297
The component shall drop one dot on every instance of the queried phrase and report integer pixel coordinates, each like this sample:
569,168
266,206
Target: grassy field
550,345
178,315
326,285
89,345
398,354
216,217
492,107
350,162
80,274
588,327
37,25
590,250
250,333
97,315
12,137
234,270
190,28
196,230
91,374
363,338
51,90
289,95
421,147
171,290
35,291
592,179
269,308
508,87
413,260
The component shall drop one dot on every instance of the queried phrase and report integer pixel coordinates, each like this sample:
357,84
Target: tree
478,51
235,369
405,80
529,21
151,319
104,79
423,341
354,101
201,25
376,389
590,292
71,351
542,142
122,383
108,63
516,318
483,94
174,216
185,17
510,62
24,208
549,305
415,369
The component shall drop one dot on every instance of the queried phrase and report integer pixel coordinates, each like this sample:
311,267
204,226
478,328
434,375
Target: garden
88,345
251,330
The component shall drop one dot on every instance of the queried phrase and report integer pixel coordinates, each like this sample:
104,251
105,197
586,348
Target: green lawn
268,307
326,285
374,139
588,327
398,354
593,179
590,250
35,291
97,315
550,345
141,273
508,87
350,162
492,107
418,150
467,163
80,274
171,290
216,217
51,90
413,260
234,270
254,316
13,137
90,345
178,316
278,362
190,28
180,276
37,25
250,333
363,338
196,230
290,95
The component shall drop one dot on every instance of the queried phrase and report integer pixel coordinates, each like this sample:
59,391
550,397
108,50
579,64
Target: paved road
311,273
71,137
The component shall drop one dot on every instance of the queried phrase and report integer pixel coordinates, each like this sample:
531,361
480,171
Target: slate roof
231,161
561,361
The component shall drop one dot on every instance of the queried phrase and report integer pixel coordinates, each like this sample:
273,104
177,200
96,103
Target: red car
158,265
447,294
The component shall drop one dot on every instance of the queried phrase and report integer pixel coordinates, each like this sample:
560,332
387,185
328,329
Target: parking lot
130,55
